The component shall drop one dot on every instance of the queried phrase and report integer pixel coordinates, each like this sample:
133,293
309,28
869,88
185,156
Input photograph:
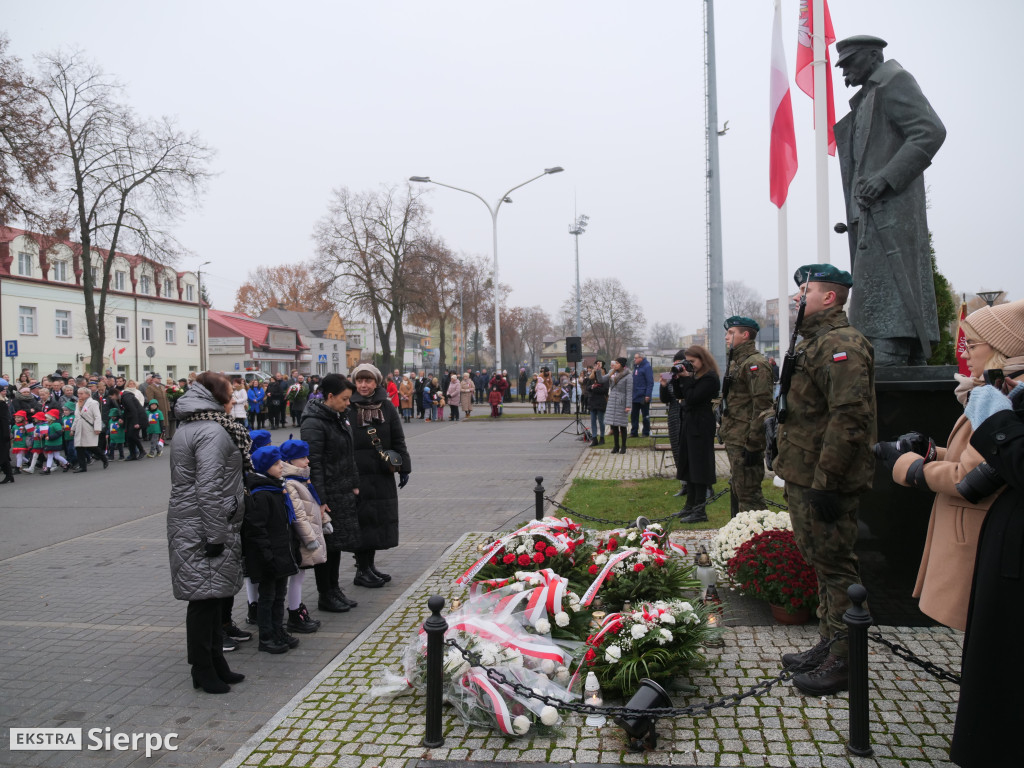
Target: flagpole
783,278
820,131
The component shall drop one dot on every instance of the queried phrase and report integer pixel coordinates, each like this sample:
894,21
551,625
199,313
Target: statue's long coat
890,131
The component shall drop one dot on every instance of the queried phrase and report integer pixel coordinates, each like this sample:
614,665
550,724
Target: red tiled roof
251,328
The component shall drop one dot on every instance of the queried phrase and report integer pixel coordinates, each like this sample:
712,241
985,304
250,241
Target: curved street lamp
494,225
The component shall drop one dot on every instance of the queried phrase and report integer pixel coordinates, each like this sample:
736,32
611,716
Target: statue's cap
851,45
822,273
739,321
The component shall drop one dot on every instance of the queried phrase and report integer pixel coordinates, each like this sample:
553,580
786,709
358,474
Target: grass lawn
620,500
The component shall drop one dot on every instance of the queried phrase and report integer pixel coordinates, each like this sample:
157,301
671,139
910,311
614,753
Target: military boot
806,660
698,514
830,677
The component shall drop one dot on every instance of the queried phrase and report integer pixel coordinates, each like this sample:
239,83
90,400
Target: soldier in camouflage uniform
749,398
825,458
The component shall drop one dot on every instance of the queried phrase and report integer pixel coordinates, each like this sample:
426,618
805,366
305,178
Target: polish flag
782,152
961,342
805,59
115,352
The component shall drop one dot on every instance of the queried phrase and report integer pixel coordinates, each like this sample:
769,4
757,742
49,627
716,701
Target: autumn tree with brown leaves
290,286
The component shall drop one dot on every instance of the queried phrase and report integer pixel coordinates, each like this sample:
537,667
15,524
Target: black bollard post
435,626
857,620
538,494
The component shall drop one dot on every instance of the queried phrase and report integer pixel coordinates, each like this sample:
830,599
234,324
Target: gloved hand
984,402
214,550
825,504
328,529
912,442
313,546
1017,393
752,458
403,479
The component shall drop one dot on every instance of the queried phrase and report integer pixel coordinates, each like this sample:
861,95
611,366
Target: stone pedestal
893,519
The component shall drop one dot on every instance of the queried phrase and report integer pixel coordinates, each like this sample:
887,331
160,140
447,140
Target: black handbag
392,459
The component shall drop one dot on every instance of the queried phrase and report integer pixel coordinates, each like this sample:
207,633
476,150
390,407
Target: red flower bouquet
769,566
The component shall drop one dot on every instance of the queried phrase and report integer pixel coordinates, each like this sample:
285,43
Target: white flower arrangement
638,631
612,654
542,625
742,528
562,618
664,636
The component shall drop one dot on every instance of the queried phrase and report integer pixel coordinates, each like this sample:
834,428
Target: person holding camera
826,460
380,453
620,399
695,384
598,397
746,400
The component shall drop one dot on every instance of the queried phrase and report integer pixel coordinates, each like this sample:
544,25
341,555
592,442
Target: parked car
250,376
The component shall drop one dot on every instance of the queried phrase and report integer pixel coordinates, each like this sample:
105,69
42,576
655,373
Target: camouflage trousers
745,482
828,548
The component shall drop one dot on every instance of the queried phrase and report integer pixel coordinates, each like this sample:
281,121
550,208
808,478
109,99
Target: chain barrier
905,654
732,700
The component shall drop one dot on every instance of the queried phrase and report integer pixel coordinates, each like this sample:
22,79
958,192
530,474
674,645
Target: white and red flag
805,60
961,342
782,152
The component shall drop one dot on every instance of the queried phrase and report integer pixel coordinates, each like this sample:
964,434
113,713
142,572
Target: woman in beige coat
88,426
406,392
947,565
466,391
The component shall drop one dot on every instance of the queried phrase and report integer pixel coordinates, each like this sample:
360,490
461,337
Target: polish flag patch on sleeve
753,368
838,357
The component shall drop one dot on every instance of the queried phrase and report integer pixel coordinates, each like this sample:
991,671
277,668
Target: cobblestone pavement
639,461
334,722
92,637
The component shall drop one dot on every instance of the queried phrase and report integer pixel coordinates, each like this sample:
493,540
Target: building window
172,374
120,280
356,341
144,284
63,325
169,333
146,331
25,264
192,333
27,320
193,369
121,328
60,271
168,288
190,292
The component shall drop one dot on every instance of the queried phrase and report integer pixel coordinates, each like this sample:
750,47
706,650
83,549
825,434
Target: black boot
373,568
330,603
364,576
299,621
601,441
806,660
270,644
220,666
623,448
615,436
829,677
342,597
207,679
282,636
699,514
594,443
250,616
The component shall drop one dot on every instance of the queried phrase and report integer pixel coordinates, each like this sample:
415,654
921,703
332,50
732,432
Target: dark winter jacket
5,432
643,381
332,468
269,543
28,403
206,504
598,393
696,426
378,494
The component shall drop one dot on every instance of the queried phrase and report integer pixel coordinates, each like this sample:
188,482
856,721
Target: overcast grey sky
304,97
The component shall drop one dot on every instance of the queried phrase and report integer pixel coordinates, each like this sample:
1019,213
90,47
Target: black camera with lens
682,365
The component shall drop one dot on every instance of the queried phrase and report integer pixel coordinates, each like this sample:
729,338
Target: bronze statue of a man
884,144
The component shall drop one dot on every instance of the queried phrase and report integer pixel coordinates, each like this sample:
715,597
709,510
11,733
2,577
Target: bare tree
127,178
368,248
288,286
612,318
741,299
26,144
665,335
536,325
437,291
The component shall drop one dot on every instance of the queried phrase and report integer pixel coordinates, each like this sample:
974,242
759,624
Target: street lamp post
576,229
989,297
494,225
202,330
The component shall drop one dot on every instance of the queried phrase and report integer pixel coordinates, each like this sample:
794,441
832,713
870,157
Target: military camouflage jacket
750,395
826,441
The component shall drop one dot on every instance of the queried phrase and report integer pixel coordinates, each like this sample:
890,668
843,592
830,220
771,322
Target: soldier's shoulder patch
753,367
838,357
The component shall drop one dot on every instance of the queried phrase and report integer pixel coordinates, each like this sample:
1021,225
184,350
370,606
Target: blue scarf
313,493
278,489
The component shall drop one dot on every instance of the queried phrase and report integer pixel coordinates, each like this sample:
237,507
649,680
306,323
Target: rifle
727,381
789,362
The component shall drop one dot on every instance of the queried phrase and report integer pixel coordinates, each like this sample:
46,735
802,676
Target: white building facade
152,313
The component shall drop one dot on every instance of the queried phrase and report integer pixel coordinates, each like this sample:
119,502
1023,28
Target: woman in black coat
696,386
5,438
332,470
666,396
374,416
988,722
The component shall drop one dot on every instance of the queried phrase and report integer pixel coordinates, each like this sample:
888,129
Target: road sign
150,352
321,358
10,349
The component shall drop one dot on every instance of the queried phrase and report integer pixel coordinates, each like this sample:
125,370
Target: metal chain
586,709
771,503
907,655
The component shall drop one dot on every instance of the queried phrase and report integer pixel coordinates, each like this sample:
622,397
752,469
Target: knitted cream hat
367,368
1002,327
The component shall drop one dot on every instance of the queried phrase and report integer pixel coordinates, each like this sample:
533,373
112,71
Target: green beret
741,322
822,273
846,48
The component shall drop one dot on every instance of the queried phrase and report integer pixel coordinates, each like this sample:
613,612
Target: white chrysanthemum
664,636
684,606
520,725
517,587
547,666
632,536
521,549
638,631
549,715
643,557
600,559
612,654
562,619
543,626
561,674
667,618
